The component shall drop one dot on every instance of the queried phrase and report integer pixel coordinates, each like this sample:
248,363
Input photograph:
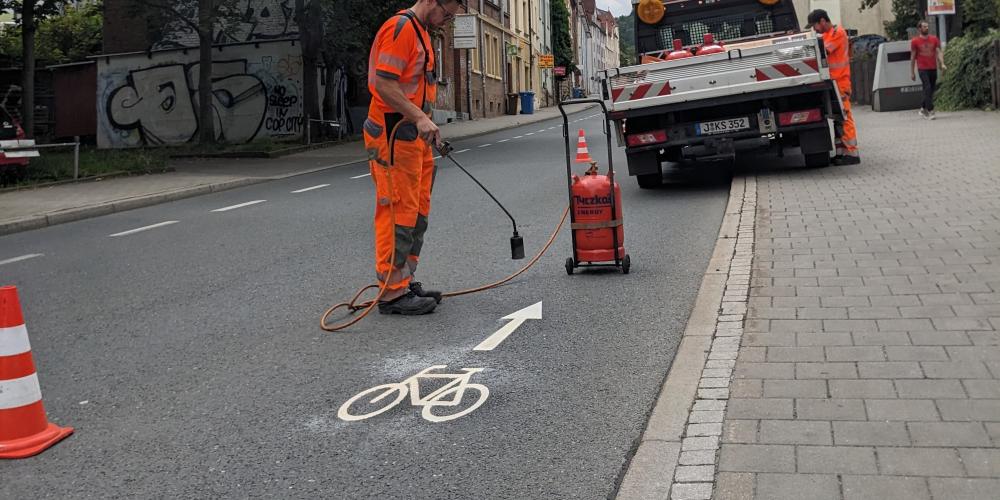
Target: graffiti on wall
255,20
154,100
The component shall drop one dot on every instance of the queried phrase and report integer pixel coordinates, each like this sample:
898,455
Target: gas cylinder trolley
595,205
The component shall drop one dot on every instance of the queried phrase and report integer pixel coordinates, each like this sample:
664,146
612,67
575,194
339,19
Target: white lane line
518,137
360,176
19,259
435,158
241,205
503,140
460,152
530,133
550,128
141,229
485,145
321,186
542,130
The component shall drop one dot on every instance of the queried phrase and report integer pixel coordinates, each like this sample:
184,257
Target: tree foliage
968,61
980,16
63,38
907,15
626,40
562,42
351,25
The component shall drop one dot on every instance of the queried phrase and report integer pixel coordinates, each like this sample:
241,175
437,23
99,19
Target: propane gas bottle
679,52
710,46
593,223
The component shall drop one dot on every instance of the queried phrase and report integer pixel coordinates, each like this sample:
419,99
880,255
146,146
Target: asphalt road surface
189,359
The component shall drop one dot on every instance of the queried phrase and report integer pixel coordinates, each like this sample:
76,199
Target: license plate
723,126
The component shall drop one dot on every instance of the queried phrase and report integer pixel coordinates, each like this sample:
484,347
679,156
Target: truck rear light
799,117
646,138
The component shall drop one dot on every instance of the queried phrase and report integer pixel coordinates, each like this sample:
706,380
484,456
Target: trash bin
577,93
528,103
511,108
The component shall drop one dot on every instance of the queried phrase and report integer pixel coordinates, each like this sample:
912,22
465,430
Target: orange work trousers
847,140
407,198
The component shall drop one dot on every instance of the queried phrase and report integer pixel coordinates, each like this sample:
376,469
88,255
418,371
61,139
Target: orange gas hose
366,307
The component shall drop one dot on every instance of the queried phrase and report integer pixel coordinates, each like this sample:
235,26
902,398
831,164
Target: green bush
965,82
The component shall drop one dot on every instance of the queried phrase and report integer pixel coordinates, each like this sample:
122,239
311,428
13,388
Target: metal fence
995,73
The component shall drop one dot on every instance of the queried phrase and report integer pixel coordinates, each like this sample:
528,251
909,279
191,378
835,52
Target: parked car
12,170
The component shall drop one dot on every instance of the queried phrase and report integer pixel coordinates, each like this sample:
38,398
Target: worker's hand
428,131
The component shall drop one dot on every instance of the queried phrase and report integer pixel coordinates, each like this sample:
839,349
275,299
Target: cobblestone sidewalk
870,362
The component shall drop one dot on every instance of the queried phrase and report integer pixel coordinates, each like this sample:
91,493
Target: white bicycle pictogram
393,394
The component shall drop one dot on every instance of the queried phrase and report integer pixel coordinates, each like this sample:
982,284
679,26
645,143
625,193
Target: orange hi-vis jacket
838,57
402,51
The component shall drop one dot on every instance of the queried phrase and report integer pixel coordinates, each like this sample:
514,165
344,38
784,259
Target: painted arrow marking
533,311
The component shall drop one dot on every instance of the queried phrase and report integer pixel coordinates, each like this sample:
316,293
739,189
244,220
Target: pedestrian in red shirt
926,56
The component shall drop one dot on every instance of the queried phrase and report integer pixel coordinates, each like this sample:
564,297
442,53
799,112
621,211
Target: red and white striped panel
785,70
640,91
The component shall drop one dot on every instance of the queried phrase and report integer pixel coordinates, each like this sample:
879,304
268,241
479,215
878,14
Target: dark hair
817,16
924,21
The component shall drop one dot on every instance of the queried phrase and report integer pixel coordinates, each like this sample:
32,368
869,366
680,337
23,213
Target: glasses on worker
448,14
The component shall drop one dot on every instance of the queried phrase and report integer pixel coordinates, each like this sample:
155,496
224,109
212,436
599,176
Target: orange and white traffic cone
582,154
24,429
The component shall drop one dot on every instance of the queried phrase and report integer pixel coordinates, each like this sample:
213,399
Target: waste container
528,102
577,93
511,105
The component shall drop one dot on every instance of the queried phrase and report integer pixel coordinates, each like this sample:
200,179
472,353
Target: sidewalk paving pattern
870,362
34,208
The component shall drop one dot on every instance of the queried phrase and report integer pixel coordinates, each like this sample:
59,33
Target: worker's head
437,13
819,21
924,28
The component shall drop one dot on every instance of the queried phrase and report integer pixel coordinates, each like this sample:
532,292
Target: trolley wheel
626,264
570,265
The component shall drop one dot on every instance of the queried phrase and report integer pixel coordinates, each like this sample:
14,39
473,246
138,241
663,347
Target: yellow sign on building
546,61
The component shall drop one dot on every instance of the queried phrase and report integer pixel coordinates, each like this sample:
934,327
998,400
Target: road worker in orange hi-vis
839,59
399,137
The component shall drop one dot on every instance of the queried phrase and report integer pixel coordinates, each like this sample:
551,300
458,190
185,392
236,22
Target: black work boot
419,291
846,160
408,305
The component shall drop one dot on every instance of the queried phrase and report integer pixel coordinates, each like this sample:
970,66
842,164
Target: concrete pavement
34,208
858,356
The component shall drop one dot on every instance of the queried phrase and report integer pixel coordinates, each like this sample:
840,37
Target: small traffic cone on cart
582,154
24,429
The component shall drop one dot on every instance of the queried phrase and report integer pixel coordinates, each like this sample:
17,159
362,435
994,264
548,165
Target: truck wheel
650,181
818,160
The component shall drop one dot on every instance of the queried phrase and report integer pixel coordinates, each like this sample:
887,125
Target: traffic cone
582,155
24,429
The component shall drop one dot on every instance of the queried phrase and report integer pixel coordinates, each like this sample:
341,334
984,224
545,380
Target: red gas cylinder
678,52
593,223
709,46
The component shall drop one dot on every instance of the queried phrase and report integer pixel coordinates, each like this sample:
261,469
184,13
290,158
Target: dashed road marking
530,133
360,176
241,205
320,186
485,145
144,228
461,151
20,258
503,140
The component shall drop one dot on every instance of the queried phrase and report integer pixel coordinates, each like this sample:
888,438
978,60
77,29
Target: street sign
465,42
465,26
546,61
560,70
512,49
940,7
